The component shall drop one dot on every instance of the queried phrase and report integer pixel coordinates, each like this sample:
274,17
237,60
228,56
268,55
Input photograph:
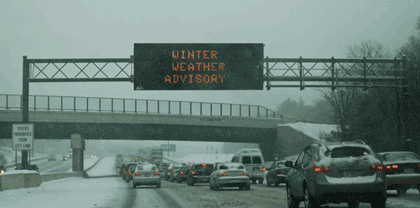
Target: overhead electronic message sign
194,66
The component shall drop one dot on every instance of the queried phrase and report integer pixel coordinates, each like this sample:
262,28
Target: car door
293,174
305,166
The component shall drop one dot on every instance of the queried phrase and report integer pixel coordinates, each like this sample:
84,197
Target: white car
229,175
146,175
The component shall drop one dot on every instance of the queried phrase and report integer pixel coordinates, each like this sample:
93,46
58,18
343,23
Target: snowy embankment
312,130
87,163
105,167
9,155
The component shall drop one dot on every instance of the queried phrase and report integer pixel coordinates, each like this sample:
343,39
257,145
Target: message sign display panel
23,137
196,66
166,147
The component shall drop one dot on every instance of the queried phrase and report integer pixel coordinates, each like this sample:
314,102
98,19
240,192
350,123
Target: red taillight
315,168
376,166
263,169
191,165
149,158
391,167
174,171
204,164
156,173
128,173
280,172
242,174
193,173
182,173
158,168
134,160
137,158
137,173
221,174
124,170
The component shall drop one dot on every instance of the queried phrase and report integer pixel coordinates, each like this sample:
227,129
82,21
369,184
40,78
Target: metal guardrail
118,105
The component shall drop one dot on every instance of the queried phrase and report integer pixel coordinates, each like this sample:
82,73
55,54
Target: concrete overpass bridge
57,117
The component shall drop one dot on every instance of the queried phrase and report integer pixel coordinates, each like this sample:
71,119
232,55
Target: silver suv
336,173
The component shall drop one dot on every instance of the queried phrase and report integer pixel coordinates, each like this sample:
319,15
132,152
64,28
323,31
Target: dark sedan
277,173
402,170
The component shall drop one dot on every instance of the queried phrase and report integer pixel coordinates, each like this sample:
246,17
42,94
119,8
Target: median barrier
34,179
20,180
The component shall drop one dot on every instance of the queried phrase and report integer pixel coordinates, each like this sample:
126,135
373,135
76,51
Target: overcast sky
109,29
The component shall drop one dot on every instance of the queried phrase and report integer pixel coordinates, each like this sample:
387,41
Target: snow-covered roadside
9,155
67,193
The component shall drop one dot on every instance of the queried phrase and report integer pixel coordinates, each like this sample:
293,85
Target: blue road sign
165,147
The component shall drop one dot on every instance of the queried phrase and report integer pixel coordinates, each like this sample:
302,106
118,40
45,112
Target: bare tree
356,111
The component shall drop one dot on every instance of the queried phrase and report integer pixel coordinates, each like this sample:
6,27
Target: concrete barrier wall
27,180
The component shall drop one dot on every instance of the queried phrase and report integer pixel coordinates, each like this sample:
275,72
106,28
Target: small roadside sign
23,137
171,147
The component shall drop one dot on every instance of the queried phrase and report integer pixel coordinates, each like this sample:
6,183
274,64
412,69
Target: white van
253,161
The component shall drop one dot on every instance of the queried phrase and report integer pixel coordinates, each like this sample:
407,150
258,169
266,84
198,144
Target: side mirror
289,164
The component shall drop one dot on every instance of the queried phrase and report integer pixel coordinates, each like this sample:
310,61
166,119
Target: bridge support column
269,145
78,146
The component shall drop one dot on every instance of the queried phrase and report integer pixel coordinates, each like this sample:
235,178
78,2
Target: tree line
371,115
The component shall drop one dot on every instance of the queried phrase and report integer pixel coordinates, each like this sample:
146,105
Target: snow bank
18,172
68,193
312,130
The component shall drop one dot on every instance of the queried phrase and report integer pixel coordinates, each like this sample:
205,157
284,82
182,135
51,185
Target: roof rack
355,141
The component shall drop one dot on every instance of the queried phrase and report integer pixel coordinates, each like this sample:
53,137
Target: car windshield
401,156
342,152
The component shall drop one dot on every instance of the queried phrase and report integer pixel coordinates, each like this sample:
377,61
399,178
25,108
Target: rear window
256,160
148,167
232,167
401,156
200,167
343,152
246,160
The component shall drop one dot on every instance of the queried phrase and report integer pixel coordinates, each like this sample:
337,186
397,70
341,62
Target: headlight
2,171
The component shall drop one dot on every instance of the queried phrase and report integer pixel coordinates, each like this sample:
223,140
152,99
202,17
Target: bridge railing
118,105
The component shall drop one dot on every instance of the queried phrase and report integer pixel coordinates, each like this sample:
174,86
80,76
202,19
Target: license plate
256,168
147,175
350,173
409,170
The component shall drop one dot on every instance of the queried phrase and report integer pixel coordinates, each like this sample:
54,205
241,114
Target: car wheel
216,187
134,185
353,204
210,186
276,182
378,202
268,181
123,177
179,180
261,181
171,180
291,201
310,202
254,181
192,182
247,187
401,191
158,185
